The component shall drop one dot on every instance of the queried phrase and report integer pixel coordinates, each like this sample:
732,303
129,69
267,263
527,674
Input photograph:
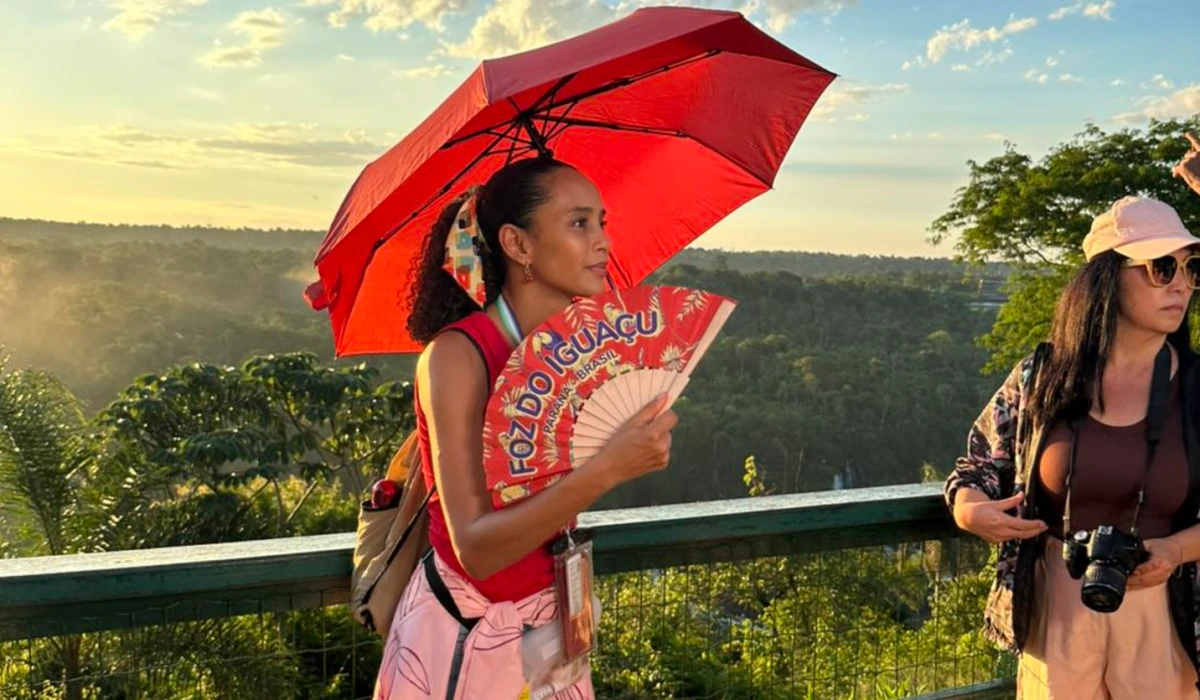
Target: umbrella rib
525,121
560,127
626,82
675,133
616,127
550,94
444,189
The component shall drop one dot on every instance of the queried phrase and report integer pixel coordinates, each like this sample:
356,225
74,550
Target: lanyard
508,320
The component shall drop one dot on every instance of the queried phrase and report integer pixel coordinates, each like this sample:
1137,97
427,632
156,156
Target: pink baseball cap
1139,228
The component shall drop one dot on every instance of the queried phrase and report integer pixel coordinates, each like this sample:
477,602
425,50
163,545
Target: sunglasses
1161,271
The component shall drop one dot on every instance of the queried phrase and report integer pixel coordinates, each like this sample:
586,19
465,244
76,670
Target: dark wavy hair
510,196
1082,335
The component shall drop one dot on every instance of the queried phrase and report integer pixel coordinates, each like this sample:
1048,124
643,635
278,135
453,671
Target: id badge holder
573,592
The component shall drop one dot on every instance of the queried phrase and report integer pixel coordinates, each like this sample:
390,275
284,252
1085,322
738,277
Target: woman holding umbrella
498,262
679,116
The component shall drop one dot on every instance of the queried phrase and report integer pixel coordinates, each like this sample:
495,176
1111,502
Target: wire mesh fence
885,621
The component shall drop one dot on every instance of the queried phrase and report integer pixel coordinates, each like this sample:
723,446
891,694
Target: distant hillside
16,230
802,263
826,265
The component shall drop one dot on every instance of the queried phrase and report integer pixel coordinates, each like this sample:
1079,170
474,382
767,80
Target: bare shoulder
452,366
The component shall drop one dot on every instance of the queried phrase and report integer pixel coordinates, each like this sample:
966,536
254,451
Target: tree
43,445
1033,216
197,454
209,452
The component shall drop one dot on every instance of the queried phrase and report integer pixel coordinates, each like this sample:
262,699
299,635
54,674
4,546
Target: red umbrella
678,115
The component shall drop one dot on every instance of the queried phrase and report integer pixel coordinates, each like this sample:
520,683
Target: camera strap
1156,418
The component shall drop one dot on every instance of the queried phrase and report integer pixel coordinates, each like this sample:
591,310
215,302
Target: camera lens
1103,587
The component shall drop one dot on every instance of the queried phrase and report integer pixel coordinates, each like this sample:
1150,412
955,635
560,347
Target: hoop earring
528,273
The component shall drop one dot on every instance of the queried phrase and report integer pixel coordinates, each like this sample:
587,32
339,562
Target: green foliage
1033,215
43,446
884,622
98,315
826,382
209,454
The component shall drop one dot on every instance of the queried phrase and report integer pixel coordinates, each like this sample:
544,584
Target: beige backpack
390,543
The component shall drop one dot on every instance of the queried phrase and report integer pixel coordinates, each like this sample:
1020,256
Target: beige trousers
1075,653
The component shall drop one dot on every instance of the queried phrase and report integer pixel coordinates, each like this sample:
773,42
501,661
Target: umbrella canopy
678,115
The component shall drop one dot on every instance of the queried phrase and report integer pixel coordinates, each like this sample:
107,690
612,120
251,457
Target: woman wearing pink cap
1085,469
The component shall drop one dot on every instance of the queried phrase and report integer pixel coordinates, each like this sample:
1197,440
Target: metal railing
865,593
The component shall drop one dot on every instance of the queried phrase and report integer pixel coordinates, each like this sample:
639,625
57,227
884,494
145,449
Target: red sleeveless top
536,570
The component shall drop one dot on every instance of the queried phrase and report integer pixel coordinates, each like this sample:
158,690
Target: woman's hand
1189,168
1165,556
985,518
642,445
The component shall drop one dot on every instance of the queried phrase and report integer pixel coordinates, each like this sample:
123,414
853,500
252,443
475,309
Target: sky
261,113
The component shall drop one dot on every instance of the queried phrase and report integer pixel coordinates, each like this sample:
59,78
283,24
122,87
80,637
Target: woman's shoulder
451,358
457,350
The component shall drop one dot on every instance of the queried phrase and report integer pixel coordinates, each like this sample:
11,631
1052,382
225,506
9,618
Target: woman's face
568,248
1154,308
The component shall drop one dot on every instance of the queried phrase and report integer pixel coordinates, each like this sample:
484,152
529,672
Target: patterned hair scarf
465,248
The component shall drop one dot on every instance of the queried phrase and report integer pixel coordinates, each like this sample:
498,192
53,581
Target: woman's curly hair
510,196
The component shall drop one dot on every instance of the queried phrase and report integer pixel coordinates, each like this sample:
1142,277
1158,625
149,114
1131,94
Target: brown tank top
1108,472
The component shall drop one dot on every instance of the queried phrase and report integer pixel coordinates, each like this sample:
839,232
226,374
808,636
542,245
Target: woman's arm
453,379
980,489
988,465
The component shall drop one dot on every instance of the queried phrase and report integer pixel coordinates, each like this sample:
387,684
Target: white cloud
510,26
994,136
915,62
434,71
1158,81
1181,104
860,117
252,146
960,68
963,37
390,15
910,136
991,57
231,57
1101,11
262,30
1068,78
137,18
1036,76
1117,82
1094,10
780,14
852,95
1051,61
346,57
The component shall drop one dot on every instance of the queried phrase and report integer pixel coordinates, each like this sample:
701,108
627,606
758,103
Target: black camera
1104,558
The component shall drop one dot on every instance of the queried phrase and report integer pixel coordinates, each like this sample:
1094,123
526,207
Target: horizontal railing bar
111,590
1000,689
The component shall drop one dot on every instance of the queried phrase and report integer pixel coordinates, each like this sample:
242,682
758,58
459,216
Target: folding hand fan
583,373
